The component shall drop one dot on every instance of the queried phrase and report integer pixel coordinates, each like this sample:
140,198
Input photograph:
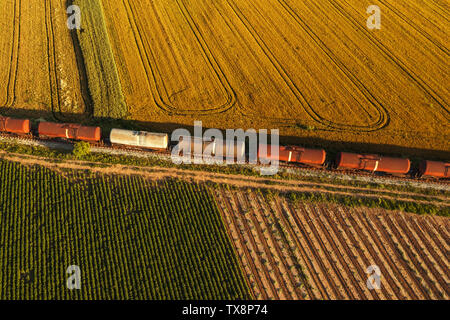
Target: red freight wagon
434,169
371,162
17,126
69,131
296,154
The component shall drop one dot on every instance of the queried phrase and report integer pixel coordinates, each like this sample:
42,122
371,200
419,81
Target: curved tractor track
396,60
10,89
54,81
154,76
52,65
382,116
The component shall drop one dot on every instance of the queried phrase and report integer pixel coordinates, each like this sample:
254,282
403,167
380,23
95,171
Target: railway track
297,169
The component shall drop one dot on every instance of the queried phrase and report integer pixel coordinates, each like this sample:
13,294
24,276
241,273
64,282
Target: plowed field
319,251
310,68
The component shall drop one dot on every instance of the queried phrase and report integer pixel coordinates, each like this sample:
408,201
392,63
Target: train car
201,146
374,163
434,169
232,149
195,146
295,154
17,126
70,131
142,139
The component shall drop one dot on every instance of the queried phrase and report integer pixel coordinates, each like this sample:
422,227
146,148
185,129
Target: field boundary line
262,289
242,268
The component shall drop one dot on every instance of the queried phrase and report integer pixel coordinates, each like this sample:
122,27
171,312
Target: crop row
131,238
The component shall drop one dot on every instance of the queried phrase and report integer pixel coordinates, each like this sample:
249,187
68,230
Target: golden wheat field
38,68
310,68
319,251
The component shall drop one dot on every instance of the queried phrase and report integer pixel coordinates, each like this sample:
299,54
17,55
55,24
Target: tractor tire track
388,54
382,114
10,90
149,62
425,34
55,98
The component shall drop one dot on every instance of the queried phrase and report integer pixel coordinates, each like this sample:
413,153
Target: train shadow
332,147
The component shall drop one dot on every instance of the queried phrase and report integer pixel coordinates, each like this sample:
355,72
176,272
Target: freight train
345,161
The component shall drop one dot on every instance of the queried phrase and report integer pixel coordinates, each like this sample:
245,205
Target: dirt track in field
288,64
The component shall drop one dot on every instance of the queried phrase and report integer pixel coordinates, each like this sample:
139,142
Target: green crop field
132,238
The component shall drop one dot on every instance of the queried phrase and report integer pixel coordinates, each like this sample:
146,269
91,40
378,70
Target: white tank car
142,139
232,152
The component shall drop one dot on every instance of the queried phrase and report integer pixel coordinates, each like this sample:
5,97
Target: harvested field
317,251
311,69
38,66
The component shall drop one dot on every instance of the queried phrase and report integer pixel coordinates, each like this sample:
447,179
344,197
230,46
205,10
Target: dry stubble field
310,68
